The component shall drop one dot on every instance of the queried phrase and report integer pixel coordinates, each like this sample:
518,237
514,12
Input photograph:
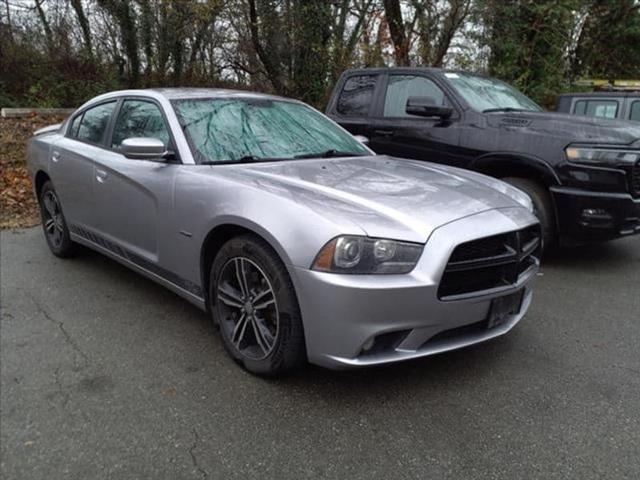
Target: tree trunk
84,25
397,31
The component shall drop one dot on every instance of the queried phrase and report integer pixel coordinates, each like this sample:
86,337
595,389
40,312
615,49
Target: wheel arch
40,178
502,165
218,235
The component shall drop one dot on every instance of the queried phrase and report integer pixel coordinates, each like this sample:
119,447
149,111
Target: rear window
94,122
596,108
635,111
356,96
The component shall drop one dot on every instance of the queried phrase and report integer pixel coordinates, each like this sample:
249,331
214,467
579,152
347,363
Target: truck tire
542,207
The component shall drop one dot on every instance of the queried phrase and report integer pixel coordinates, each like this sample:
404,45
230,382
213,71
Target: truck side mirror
426,107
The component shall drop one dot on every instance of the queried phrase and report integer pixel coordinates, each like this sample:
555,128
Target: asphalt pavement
105,374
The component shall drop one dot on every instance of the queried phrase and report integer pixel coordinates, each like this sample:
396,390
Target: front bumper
586,216
401,315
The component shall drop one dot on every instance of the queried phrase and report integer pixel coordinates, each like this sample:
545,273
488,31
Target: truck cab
582,173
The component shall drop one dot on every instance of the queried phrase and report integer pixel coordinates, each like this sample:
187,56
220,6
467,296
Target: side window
139,118
75,124
401,87
94,123
635,111
596,108
356,96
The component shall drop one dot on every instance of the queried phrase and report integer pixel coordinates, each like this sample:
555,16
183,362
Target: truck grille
635,179
490,263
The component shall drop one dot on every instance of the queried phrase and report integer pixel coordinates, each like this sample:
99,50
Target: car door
72,163
400,134
134,198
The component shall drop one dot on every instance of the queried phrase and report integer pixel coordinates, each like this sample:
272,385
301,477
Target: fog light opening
596,214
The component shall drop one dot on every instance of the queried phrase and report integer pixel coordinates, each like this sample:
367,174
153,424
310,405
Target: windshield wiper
329,154
244,159
505,109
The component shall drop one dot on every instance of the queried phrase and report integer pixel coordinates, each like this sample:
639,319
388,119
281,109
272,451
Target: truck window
401,87
596,108
357,96
635,111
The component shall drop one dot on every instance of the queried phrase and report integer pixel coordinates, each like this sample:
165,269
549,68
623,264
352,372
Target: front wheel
542,207
253,301
53,223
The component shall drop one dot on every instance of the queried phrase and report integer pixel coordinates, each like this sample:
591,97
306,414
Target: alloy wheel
52,219
247,307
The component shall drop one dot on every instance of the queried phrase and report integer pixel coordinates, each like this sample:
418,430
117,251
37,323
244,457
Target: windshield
486,94
248,129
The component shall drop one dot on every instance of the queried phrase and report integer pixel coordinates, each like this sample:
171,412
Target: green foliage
61,52
609,45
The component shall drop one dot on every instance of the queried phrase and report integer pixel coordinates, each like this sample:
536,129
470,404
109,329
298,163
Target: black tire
542,206
54,224
265,340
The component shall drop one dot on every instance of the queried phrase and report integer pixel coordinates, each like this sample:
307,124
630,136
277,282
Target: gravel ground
106,375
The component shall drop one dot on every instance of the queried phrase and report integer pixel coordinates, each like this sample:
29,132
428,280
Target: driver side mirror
426,107
142,148
362,139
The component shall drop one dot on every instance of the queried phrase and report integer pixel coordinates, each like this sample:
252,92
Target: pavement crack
63,391
194,459
67,337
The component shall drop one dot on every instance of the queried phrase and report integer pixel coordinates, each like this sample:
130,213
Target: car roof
182,93
394,69
174,93
601,94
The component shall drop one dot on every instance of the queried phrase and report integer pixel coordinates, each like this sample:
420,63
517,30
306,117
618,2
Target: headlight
354,254
601,156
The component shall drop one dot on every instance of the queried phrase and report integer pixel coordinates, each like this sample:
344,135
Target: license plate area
504,307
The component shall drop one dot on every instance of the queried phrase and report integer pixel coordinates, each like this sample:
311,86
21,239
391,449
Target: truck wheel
253,302
542,207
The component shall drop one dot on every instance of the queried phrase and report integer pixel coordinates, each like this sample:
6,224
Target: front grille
635,179
490,262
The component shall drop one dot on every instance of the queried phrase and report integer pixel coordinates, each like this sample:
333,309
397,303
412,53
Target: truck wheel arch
527,167
500,165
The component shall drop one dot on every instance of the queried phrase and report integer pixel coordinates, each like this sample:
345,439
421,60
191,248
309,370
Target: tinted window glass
94,122
597,108
486,94
356,96
635,111
75,123
138,118
401,87
250,129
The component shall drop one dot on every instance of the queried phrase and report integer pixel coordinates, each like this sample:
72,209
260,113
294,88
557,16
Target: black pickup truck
582,173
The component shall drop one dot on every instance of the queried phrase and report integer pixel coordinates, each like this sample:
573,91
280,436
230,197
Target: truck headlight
362,255
602,156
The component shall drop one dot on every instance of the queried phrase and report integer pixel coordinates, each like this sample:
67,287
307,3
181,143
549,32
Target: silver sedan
299,240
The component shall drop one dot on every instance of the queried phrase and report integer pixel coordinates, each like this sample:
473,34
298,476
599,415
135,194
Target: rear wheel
542,207
254,304
53,223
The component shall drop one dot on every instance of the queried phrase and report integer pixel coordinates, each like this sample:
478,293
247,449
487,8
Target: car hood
385,197
573,128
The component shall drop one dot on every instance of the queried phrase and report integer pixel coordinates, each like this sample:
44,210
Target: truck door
395,132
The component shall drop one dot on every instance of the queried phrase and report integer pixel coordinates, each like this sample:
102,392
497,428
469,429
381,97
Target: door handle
55,156
101,175
384,133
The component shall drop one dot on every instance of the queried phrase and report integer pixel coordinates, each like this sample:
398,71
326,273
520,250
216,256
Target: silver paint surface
297,207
